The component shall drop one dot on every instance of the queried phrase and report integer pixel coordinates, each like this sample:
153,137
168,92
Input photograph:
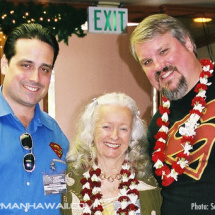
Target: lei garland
91,192
188,132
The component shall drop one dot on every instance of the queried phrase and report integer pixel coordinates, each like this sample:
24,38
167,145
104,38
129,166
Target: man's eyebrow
25,61
47,65
29,61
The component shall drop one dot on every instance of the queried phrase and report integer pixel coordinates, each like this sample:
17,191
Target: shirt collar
40,118
5,108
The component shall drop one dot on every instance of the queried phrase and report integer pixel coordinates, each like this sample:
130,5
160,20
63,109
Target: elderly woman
108,167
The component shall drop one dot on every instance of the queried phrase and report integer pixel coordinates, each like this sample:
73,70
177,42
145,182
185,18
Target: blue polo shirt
22,192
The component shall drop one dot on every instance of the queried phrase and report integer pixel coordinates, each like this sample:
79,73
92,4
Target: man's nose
34,75
159,65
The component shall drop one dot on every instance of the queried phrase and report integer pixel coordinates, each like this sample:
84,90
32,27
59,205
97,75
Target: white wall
96,64
93,65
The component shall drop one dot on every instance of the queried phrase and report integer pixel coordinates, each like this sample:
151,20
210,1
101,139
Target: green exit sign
107,20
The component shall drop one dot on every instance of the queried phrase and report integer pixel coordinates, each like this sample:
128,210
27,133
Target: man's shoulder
50,122
45,117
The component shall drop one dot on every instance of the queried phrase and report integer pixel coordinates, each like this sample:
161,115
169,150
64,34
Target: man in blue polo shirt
32,145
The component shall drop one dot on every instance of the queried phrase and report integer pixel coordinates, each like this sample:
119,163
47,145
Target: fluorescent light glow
132,23
202,19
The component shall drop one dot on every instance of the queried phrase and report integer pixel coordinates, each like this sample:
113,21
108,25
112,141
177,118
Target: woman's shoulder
150,196
149,181
142,186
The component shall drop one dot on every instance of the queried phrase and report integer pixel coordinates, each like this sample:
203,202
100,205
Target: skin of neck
110,166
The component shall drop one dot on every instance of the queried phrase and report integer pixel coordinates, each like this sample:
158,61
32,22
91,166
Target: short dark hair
30,31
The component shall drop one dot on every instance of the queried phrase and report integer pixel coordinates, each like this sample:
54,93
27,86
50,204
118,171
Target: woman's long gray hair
82,153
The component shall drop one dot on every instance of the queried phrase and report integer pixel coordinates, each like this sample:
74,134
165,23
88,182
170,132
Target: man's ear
189,44
4,64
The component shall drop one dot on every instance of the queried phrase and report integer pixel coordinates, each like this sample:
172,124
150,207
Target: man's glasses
29,159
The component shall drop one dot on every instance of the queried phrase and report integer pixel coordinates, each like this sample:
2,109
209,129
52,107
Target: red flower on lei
91,187
168,175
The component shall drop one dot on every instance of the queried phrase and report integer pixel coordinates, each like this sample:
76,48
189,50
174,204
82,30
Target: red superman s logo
204,142
57,149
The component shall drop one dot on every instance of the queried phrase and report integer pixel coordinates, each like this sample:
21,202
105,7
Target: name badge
54,183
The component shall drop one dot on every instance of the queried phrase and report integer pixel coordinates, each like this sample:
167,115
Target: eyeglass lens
29,162
26,141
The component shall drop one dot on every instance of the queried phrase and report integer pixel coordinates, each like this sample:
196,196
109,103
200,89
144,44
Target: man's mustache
165,69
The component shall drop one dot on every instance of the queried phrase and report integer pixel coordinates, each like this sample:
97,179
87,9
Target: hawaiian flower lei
188,131
91,192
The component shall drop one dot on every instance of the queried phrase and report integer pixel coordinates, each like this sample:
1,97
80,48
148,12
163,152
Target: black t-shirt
194,192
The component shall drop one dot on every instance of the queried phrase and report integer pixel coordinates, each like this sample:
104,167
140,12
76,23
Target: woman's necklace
111,178
91,191
188,131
